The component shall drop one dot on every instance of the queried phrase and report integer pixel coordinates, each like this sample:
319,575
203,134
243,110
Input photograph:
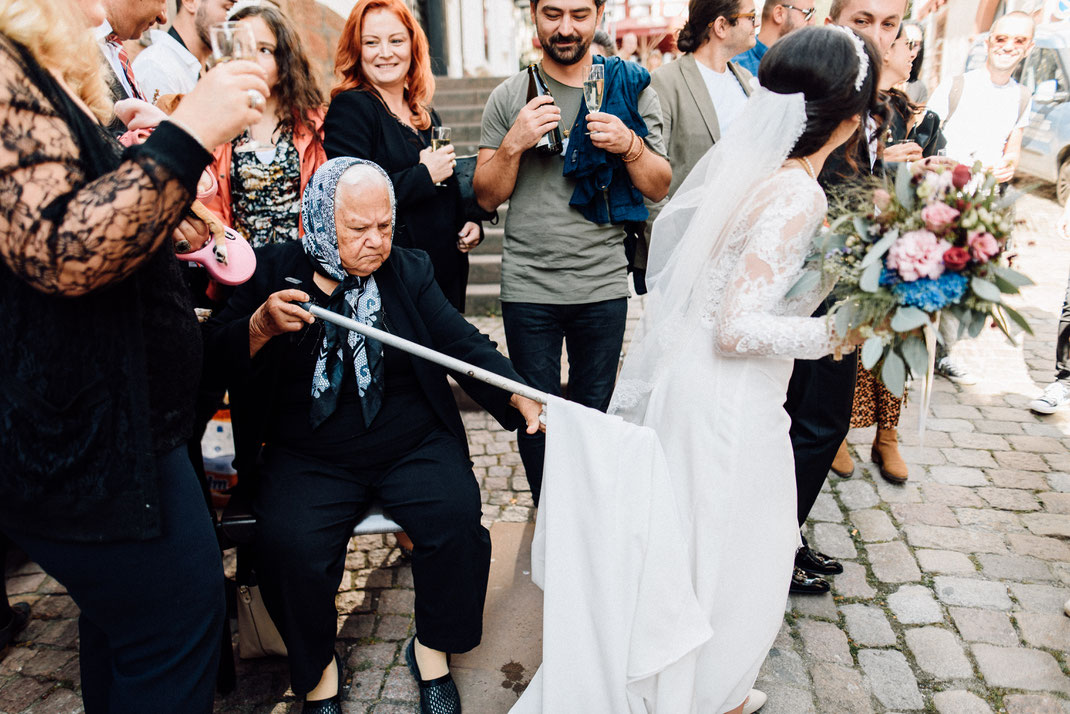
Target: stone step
493,236
454,83
484,269
460,115
483,300
448,99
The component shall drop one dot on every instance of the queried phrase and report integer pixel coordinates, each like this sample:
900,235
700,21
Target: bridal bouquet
927,245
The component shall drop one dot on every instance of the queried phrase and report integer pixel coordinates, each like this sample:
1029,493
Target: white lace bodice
745,291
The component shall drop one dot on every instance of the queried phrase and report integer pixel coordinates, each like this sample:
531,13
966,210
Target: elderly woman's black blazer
415,309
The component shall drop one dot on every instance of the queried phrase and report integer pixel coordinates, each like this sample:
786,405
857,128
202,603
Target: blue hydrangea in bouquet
930,244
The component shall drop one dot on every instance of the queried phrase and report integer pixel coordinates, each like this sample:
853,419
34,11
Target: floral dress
266,191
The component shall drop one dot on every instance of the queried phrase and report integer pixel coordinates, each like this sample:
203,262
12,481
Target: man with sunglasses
778,19
984,113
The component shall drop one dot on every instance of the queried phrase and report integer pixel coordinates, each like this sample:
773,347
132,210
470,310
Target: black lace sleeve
64,234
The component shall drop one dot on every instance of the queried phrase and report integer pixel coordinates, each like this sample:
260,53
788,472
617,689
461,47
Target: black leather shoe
331,705
437,696
808,559
802,583
20,615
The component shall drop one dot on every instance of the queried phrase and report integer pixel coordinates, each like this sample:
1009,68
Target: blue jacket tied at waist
599,174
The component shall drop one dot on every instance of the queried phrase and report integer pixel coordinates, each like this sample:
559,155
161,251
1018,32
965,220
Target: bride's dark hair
822,63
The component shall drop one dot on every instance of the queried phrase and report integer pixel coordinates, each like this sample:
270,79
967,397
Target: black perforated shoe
437,696
332,705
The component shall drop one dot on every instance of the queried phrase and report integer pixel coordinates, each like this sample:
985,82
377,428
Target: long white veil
692,232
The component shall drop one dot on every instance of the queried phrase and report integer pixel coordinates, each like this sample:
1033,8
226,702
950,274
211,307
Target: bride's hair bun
824,64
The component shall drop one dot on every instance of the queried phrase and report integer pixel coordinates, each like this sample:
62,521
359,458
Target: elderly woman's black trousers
306,508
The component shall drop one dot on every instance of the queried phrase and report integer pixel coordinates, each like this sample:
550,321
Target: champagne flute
440,136
593,84
233,41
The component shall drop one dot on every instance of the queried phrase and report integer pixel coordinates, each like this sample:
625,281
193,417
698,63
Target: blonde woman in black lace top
101,356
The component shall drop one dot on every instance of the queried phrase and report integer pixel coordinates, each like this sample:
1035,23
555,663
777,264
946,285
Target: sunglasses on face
807,14
752,16
1016,40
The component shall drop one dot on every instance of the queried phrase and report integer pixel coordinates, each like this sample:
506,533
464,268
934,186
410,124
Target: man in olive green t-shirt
563,277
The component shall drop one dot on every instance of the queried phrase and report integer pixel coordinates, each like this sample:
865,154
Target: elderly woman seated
328,420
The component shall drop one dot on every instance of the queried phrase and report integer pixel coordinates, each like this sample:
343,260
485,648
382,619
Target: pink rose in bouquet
982,245
938,217
918,254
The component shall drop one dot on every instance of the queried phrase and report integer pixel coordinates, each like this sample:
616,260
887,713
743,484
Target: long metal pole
429,354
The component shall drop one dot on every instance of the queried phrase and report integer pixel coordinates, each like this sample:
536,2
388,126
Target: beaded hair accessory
863,56
244,5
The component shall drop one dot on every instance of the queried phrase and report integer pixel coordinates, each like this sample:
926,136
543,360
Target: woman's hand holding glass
439,163
907,151
469,237
219,108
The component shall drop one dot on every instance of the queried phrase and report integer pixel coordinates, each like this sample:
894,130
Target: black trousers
1062,340
153,610
819,400
306,509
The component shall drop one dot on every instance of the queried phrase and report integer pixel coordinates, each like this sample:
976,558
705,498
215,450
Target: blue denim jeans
594,335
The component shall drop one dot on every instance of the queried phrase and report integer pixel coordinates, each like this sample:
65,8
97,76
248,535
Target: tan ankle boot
886,455
843,464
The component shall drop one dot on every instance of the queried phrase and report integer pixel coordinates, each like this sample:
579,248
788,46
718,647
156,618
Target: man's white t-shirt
986,115
726,93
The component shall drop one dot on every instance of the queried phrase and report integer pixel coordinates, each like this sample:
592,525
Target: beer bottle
550,143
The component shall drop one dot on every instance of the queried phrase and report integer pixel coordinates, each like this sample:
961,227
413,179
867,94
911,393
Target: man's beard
789,27
200,24
567,56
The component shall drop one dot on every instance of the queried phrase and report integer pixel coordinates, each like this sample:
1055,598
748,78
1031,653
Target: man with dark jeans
564,272
594,334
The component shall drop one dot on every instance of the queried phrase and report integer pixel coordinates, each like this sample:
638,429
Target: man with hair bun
693,119
779,17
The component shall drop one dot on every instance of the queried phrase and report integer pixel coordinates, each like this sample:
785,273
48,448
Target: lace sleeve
778,236
67,236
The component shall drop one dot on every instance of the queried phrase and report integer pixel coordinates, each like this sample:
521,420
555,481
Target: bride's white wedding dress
707,371
716,404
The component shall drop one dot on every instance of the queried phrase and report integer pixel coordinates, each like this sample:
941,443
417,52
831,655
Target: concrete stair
460,103
485,270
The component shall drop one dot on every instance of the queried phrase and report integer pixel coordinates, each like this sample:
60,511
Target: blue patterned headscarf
355,297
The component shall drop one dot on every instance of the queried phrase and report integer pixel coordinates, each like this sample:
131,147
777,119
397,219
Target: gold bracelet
631,145
642,148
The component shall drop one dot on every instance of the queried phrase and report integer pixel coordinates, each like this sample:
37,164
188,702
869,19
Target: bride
710,363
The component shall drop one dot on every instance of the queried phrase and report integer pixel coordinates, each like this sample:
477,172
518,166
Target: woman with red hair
380,111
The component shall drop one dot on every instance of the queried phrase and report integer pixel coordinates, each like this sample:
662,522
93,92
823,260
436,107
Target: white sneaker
755,701
1055,395
1066,608
951,370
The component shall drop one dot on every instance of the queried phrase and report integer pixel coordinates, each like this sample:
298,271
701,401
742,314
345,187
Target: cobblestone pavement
952,595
